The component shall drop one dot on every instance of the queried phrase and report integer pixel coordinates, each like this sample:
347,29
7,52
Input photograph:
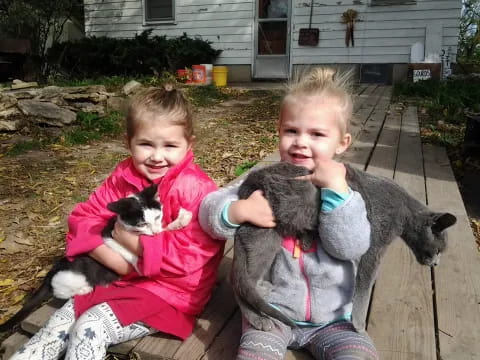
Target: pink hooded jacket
179,266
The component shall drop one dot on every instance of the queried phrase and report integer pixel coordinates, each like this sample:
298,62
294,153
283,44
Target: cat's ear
151,192
443,221
121,206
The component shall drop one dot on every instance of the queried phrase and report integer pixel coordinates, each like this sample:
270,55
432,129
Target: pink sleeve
87,220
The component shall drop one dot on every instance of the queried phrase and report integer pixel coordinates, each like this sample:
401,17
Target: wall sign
421,74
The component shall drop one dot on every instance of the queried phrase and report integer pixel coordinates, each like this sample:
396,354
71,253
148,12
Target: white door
272,39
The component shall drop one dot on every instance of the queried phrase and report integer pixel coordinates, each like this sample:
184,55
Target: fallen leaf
7,282
24,241
42,273
54,219
16,299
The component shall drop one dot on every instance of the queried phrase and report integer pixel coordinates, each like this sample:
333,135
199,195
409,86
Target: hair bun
168,87
323,75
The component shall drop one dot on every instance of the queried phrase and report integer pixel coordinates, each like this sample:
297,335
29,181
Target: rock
7,101
117,103
93,97
10,125
10,113
23,93
22,85
89,107
50,92
131,87
46,113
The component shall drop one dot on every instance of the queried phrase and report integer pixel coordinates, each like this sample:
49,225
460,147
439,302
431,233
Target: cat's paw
183,219
259,322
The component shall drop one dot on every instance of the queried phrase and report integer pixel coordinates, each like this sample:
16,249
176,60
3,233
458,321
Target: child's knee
98,325
256,344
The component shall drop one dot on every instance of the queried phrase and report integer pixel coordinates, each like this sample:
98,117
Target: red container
199,74
185,76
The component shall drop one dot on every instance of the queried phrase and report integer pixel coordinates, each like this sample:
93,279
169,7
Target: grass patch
442,107
111,83
92,127
246,165
88,127
114,83
25,146
206,95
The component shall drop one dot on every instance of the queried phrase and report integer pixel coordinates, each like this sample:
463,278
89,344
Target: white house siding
383,34
227,24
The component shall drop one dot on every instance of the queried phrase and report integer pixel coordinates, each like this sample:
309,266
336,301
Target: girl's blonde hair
166,102
324,82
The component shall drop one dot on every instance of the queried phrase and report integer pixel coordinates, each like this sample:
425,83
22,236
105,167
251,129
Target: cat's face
429,238
141,212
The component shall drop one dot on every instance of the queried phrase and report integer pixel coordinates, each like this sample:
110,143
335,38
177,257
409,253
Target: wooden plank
384,157
363,144
364,111
403,292
457,278
227,342
11,344
371,116
221,307
363,96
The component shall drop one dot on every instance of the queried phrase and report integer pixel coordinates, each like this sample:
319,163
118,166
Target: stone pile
51,105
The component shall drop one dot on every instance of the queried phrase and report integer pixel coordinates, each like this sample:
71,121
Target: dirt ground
38,189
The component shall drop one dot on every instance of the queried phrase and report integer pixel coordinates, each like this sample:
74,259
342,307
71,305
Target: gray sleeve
345,231
210,213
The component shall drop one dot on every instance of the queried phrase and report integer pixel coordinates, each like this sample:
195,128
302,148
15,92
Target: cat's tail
43,293
247,289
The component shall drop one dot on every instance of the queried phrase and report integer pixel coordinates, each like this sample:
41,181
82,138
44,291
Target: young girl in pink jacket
178,268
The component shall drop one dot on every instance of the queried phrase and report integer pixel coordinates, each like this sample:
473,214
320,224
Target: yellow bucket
220,75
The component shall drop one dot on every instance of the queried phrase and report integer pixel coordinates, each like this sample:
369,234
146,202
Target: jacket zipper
299,254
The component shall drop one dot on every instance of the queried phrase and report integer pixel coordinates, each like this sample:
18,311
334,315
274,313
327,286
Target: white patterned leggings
87,338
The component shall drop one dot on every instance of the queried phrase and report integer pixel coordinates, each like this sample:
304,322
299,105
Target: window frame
158,21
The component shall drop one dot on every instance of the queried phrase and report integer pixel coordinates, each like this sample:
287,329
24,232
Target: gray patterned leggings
87,338
335,341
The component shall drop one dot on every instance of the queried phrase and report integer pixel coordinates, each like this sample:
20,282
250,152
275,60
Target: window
392,2
159,10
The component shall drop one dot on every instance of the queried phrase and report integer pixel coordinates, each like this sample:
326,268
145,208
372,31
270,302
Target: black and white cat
392,213
141,213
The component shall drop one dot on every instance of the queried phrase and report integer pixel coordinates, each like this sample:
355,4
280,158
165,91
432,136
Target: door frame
288,45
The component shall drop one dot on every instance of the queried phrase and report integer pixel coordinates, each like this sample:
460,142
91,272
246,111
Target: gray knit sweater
317,287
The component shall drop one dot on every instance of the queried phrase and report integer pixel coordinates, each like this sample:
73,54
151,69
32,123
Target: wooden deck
416,312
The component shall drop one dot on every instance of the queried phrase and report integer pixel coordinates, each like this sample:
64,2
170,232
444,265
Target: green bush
444,99
142,55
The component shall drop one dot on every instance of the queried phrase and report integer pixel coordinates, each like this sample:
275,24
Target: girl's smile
157,146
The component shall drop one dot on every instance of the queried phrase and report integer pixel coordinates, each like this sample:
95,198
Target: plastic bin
220,75
199,74
209,73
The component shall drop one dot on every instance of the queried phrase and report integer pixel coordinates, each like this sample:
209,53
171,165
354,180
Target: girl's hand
128,239
328,173
111,259
255,210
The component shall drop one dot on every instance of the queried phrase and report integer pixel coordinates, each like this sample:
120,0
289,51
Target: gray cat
392,212
255,248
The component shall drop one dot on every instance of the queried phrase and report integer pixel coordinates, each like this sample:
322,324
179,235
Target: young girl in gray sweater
315,287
